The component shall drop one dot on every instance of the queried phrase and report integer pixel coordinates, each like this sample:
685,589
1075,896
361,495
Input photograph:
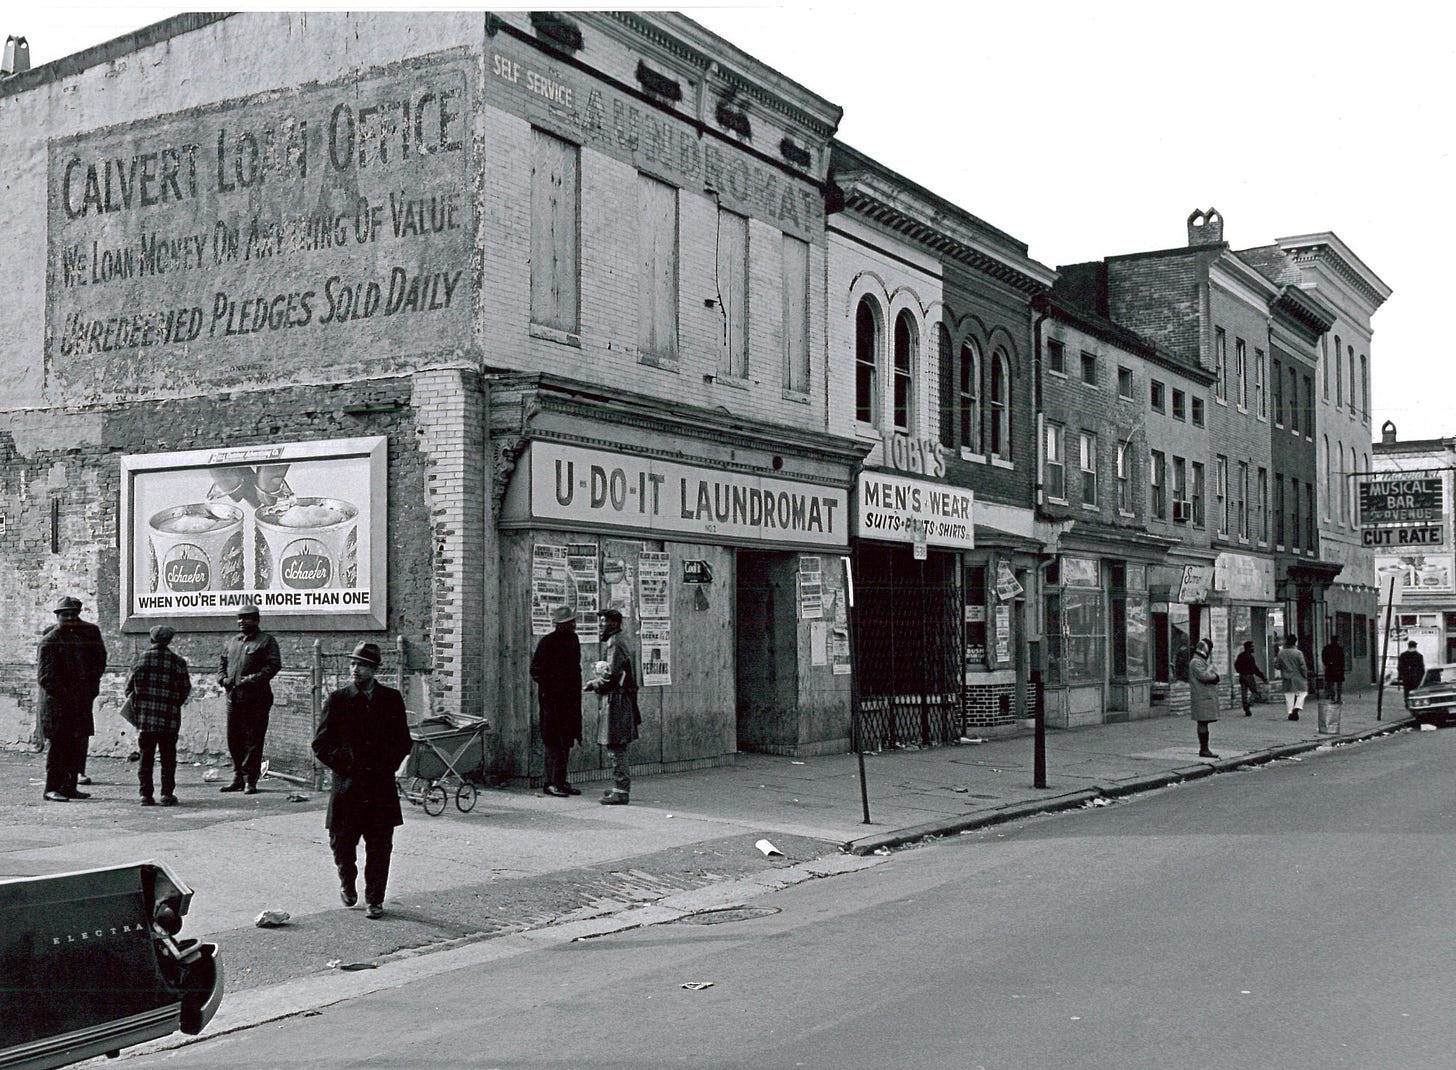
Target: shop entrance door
766,653
907,619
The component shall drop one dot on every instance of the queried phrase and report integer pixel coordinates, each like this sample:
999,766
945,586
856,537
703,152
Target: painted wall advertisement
895,509
297,528
602,488
309,217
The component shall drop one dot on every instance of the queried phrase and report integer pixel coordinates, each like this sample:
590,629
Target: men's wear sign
590,488
895,509
297,528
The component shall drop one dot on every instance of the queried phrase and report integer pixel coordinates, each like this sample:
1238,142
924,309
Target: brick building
410,330
929,334
1121,496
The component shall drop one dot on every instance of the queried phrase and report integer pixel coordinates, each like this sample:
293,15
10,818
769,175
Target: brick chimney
1205,227
17,56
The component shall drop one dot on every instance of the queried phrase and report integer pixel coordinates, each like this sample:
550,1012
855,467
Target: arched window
866,362
1364,385
904,386
1339,375
1351,351
999,432
1350,488
946,400
970,413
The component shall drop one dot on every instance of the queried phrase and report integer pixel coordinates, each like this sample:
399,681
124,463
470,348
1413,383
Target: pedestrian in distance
556,668
1248,671
1411,668
617,700
363,737
158,685
249,660
1203,679
69,663
1295,671
1332,658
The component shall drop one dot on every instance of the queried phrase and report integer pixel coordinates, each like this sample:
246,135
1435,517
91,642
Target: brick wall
989,706
71,458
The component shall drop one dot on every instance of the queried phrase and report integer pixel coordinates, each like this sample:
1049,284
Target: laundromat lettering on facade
617,490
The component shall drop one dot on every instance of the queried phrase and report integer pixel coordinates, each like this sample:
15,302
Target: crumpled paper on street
272,919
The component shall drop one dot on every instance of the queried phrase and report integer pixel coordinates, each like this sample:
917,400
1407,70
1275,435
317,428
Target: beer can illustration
307,543
196,547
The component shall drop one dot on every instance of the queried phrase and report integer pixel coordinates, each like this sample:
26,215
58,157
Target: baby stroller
447,755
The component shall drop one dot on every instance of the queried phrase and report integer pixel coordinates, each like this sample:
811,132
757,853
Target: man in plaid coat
158,685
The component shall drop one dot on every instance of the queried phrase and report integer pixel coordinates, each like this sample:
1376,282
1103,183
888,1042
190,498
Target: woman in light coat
1203,678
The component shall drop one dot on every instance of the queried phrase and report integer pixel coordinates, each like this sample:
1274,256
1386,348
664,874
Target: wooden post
1384,650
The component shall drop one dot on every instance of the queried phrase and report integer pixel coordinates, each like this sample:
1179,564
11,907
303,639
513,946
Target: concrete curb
887,841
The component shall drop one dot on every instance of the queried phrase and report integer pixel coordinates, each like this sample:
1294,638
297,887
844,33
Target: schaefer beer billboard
295,527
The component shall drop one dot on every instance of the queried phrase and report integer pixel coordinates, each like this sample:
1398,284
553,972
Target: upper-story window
555,233
1055,468
1351,351
1324,361
657,280
796,314
733,293
1259,382
1124,477
1197,412
1276,379
1155,395
905,345
999,430
1124,383
1056,356
970,411
1180,401
945,363
1309,408
1087,456
1241,367
867,362
1339,375
1089,369
1220,364
1222,506
1364,386
1292,397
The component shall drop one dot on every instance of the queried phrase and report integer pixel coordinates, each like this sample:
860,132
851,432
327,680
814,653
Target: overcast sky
1087,130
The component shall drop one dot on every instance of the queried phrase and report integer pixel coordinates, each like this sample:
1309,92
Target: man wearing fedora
69,664
158,685
556,668
363,738
249,660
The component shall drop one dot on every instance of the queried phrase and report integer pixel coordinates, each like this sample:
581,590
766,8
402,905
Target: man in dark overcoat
1332,657
363,738
158,686
69,664
556,668
617,697
249,660
1411,667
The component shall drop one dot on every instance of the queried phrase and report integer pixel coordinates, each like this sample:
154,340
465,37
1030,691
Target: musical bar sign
1400,501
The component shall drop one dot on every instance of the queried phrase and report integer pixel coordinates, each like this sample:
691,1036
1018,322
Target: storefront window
975,616
1083,635
1128,620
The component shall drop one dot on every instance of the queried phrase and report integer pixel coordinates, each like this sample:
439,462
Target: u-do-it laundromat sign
576,487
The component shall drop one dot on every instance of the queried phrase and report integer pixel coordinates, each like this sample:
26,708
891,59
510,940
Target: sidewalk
523,861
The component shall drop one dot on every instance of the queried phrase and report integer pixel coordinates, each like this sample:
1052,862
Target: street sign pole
1385,649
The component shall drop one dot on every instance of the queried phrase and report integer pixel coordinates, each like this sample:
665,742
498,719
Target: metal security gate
907,641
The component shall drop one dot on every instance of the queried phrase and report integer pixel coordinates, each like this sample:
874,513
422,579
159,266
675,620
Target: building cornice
1241,281
1326,248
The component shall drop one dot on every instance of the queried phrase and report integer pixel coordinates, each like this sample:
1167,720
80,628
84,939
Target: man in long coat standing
363,737
617,692
1203,678
249,660
556,668
69,664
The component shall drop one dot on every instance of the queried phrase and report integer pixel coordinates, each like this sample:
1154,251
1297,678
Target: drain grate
723,917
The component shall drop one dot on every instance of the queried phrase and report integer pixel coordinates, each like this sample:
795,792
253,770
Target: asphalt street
1287,915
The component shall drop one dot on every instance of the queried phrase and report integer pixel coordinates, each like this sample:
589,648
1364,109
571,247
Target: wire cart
447,755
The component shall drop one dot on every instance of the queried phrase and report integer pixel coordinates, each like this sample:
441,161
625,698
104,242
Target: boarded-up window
555,232
796,314
733,293
657,268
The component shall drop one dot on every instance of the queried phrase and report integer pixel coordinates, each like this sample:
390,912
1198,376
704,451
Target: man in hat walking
1411,668
69,664
158,685
556,668
249,660
363,737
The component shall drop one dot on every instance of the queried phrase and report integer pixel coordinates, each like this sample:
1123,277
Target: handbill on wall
653,574
549,583
297,528
581,566
656,639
